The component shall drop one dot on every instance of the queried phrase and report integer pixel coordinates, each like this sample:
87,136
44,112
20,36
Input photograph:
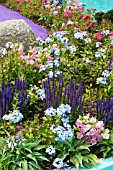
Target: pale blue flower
57,52
50,111
98,54
48,40
43,68
41,93
50,150
105,32
87,40
106,73
98,44
72,49
101,80
15,116
65,40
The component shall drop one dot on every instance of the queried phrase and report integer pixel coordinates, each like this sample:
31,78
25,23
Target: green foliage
105,147
99,16
77,152
23,157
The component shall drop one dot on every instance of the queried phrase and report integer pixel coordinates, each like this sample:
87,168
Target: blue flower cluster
15,116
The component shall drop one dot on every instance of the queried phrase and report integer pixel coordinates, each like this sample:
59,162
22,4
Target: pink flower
94,142
31,13
45,50
84,24
79,123
21,48
7,5
95,37
99,37
36,64
31,62
25,66
92,132
99,124
105,136
93,120
86,117
86,128
79,135
55,45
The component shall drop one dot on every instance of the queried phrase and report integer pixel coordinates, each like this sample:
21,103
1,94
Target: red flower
31,13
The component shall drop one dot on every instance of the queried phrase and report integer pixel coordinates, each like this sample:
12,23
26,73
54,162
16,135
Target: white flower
98,54
98,44
106,73
101,80
11,143
50,150
58,163
87,40
9,45
86,60
41,93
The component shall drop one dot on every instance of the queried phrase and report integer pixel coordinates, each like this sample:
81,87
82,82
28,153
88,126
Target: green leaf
30,167
42,158
36,165
27,149
79,158
83,147
88,165
74,161
24,164
40,147
31,157
63,154
92,159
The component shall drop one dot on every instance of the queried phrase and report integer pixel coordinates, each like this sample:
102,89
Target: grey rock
17,31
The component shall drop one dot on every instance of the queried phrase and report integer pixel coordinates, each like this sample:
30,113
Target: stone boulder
17,31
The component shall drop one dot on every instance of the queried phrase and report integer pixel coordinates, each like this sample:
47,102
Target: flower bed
56,99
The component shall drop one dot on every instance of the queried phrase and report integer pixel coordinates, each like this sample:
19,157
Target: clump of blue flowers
15,116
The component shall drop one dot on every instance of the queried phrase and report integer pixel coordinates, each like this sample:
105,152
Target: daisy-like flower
58,163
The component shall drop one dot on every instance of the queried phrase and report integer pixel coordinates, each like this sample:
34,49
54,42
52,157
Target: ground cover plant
56,100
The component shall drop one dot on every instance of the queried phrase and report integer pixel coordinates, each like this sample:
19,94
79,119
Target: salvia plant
57,93
13,95
105,109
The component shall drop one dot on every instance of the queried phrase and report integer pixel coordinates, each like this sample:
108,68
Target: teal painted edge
106,164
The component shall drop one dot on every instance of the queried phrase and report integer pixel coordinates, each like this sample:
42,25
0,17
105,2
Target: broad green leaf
79,158
24,165
85,158
30,167
74,161
42,158
31,145
63,154
88,165
90,158
40,147
36,165
31,157
83,147
27,149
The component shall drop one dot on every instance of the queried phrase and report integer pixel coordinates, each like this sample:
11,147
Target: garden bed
56,100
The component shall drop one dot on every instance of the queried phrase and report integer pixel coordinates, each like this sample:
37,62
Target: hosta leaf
36,154
31,145
27,149
24,165
85,158
74,161
88,165
31,157
30,167
42,158
92,159
83,147
40,147
35,165
79,158
63,154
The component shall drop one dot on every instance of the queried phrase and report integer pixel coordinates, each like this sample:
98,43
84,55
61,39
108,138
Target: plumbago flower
91,128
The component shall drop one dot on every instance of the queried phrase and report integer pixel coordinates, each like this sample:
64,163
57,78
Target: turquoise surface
100,5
